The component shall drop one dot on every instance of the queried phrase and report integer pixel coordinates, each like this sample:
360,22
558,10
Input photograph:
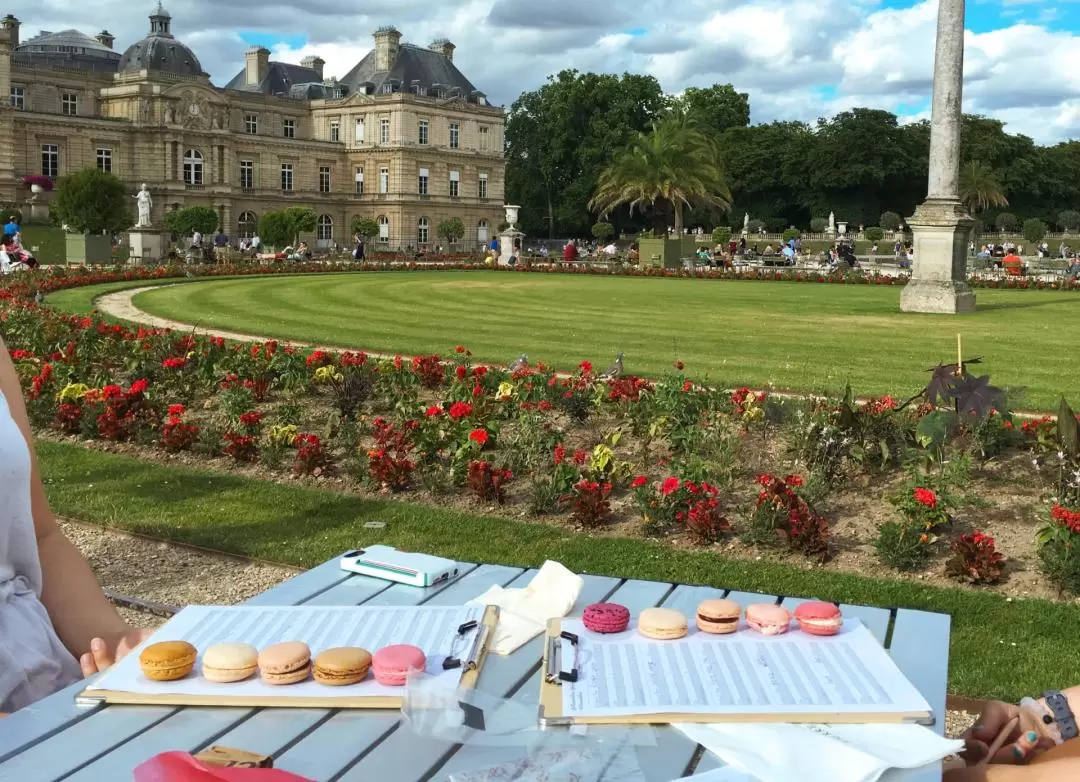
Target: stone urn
511,214
36,190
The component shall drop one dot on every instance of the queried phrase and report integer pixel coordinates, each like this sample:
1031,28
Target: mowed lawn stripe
793,336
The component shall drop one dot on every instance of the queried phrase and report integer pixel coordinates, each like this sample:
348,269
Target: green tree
91,201
1006,221
818,225
791,233
715,108
1034,230
603,231
721,235
673,165
891,221
561,136
186,221
451,230
364,226
979,188
276,229
302,220
874,234
1069,219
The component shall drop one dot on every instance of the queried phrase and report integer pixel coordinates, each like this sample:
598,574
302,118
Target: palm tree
674,163
979,188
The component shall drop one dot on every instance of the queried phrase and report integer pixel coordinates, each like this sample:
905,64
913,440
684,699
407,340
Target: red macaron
818,618
606,618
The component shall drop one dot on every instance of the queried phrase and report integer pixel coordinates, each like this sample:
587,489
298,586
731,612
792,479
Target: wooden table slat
920,648
875,619
749,598
407,756
31,725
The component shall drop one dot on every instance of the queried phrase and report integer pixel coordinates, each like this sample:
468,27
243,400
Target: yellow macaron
167,661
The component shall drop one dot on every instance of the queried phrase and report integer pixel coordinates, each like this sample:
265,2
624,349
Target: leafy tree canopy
276,229
364,226
603,230
186,221
715,108
451,230
92,201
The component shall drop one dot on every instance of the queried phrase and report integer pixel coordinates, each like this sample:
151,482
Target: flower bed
906,483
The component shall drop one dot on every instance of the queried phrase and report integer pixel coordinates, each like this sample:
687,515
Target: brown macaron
718,616
285,663
167,661
341,666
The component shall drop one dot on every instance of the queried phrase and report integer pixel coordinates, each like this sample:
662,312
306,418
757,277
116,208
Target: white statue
832,222
145,203
745,221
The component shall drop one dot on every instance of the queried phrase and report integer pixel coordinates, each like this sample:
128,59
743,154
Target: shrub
486,482
818,225
721,235
275,230
1034,230
387,471
451,230
705,523
923,508
975,559
91,201
902,545
176,435
1069,219
311,455
792,233
428,370
602,231
775,225
754,226
782,516
1059,553
891,221
186,221
1006,221
241,447
874,234
589,500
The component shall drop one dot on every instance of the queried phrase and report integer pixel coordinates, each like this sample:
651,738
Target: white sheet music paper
626,674
432,629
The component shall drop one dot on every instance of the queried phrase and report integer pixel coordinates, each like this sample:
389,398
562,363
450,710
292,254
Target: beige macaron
225,663
663,624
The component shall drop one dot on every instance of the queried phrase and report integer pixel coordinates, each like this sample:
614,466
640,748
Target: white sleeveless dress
33,662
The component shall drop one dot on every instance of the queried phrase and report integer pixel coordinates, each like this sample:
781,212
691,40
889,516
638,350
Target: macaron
341,666
719,617
768,619
229,662
167,661
663,624
819,618
606,617
392,664
285,663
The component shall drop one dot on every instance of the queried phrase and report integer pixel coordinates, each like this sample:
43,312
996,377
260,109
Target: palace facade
403,138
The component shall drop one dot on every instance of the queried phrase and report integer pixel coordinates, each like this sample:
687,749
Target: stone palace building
403,138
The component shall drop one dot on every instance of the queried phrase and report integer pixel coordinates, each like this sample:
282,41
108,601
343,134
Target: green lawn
789,335
304,527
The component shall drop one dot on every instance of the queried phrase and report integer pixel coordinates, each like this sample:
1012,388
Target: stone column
941,224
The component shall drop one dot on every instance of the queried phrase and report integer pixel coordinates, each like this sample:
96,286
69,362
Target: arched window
193,167
422,231
384,229
324,229
482,231
247,225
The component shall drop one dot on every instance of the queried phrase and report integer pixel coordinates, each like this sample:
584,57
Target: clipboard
561,665
470,664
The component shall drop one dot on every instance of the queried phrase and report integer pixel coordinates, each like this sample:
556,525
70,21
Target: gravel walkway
169,574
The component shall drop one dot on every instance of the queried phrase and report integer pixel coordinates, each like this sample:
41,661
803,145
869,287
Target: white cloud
783,52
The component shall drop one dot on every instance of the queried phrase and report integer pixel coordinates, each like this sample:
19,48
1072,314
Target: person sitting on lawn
55,621
1013,265
1042,746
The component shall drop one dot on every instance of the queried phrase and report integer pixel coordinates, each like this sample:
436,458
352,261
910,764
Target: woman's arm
71,594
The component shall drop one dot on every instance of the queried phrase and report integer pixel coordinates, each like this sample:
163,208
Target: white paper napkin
842,753
524,613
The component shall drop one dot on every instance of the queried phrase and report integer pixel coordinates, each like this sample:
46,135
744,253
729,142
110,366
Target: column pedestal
148,245
941,227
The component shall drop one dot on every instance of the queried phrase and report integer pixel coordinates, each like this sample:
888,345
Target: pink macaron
819,618
391,664
606,617
768,619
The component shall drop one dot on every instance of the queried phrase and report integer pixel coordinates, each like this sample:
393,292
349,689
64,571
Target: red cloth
569,253
182,767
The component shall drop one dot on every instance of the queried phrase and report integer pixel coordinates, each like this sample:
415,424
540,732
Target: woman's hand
1026,737
104,653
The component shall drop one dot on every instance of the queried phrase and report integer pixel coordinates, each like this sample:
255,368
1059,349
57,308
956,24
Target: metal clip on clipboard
452,661
556,672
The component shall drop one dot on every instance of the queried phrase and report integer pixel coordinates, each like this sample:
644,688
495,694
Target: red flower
793,480
544,405
251,418
585,367
479,372
138,387
176,409
926,497
460,371
459,349
560,454
479,436
460,410
580,457
670,486
687,387
434,410
174,363
638,482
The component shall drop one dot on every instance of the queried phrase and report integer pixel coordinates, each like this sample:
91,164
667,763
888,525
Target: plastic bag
182,767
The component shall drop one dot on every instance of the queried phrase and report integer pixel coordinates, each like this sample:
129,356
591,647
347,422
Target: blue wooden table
55,739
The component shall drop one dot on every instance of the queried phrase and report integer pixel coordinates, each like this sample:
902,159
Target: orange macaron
167,661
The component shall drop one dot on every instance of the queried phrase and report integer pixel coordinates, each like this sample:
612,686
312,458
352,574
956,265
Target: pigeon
39,298
189,274
615,370
520,363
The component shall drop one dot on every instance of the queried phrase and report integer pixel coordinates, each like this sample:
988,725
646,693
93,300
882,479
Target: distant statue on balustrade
145,204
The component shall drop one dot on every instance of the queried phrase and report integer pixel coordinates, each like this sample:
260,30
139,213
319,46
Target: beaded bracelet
1045,716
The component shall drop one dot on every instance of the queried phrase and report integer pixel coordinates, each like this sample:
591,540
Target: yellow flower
327,374
506,391
282,434
73,392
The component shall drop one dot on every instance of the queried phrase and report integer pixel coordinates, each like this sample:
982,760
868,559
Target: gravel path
167,573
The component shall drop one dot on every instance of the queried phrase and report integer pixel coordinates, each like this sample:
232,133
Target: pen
1000,740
